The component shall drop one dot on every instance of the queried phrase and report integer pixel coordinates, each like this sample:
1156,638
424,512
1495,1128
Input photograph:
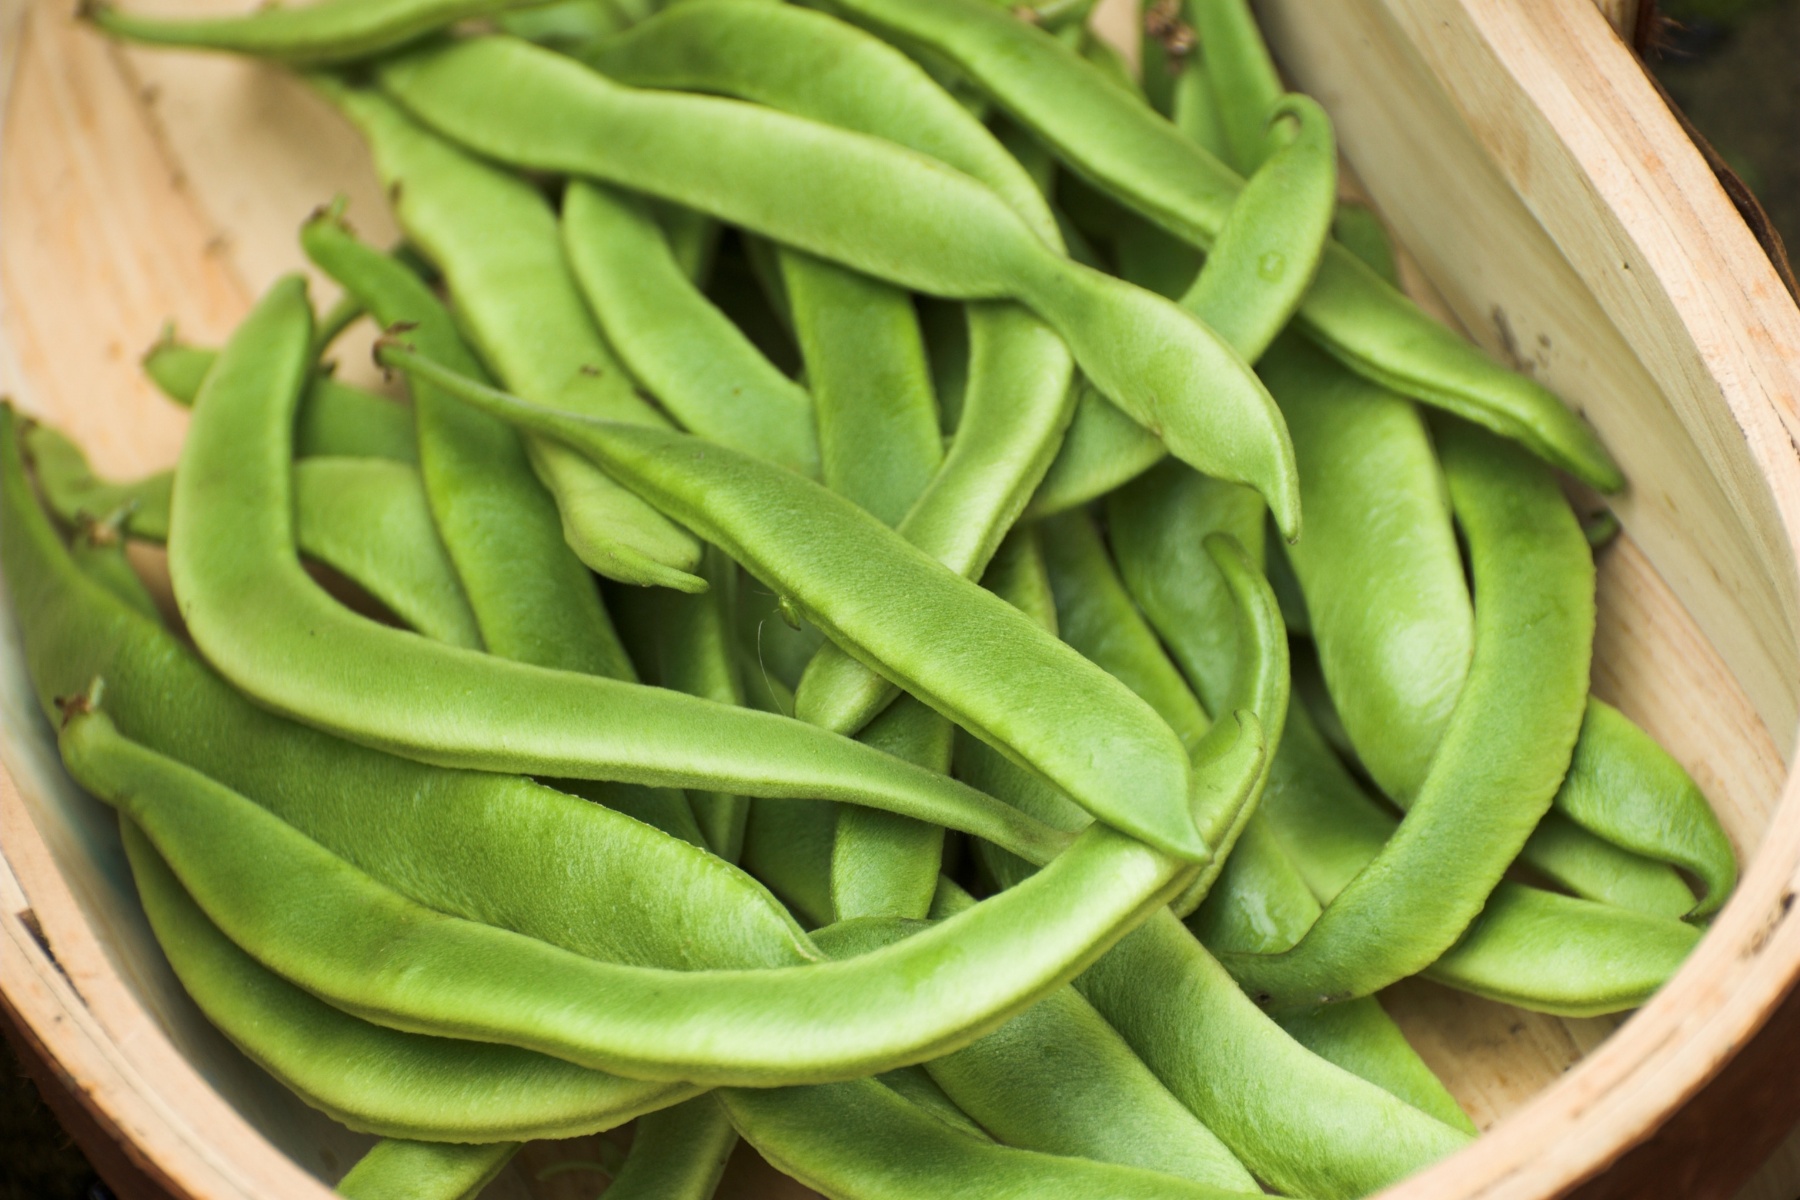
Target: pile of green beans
808,662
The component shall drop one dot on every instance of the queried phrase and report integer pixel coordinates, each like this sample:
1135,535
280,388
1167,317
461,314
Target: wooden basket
1549,203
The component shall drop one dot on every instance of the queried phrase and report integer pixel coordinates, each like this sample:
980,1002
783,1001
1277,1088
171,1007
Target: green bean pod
1244,82
883,864
677,1153
965,652
1121,145
75,493
335,420
1301,1124
1624,788
396,1169
318,921
859,1140
941,232
879,438
1596,869
567,26
255,614
500,247
1380,569
497,849
329,31
1501,758
533,599
373,1079
676,342
1059,1079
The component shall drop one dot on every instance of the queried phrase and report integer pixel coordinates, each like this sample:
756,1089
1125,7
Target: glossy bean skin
1120,144
677,1153
335,419
326,32
845,572
397,1169
1381,571
1504,752
859,1140
373,1079
1626,789
500,248
491,848
532,598
676,342
949,236
1057,1078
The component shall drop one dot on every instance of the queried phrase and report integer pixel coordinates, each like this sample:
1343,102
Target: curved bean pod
1059,1079
533,599
677,1153
1244,82
1502,755
318,921
462,842
941,231
75,493
500,248
674,340
1380,569
1604,959
1596,869
861,1141
846,572
335,420
1301,1124
327,32
1626,789
396,1169
373,1079
1116,142
497,849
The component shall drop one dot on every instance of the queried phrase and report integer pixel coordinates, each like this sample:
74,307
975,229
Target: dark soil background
1732,65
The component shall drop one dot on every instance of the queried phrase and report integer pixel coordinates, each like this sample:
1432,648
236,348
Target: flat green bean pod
685,351
941,232
373,1079
964,653
1301,1124
1601,959
1626,789
859,1140
335,419
532,598
1244,82
1595,869
1120,144
1503,753
1380,569
396,1169
492,848
365,518
500,247
326,32
318,921
1059,1079
677,1153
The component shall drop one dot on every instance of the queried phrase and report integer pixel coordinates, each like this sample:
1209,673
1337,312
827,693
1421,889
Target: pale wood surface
138,186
